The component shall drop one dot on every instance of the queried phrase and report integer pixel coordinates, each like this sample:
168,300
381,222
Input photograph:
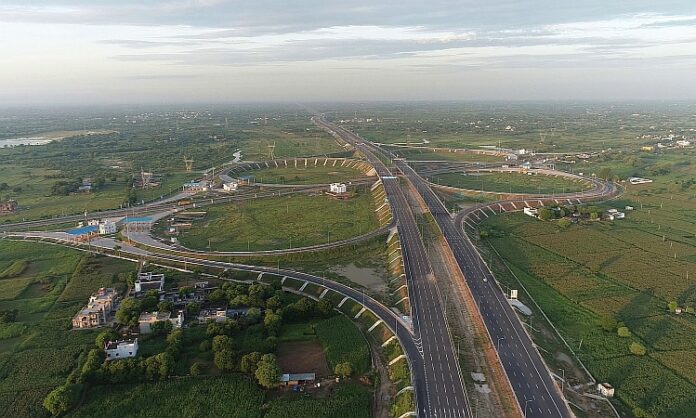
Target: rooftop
82,231
286,377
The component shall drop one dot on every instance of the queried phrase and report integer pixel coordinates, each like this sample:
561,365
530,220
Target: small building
615,215
149,281
217,315
230,187
196,186
533,212
107,228
9,206
337,188
683,143
121,349
638,180
147,319
629,208
99,309
141,224
606,390
292,379
83,233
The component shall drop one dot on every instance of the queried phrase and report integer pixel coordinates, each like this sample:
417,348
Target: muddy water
366,276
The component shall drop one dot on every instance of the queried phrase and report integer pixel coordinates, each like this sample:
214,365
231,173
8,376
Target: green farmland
509,183
305,175
271,223
593,278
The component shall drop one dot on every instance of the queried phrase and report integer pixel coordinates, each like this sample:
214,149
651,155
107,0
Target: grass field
271,223
509,182
39,350
626,271
309,175
428,155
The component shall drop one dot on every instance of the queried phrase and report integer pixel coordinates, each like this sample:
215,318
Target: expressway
437,378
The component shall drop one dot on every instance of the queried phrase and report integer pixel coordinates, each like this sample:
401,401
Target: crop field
272,223
541,127
305,175
509,182
342,342
39,350
627,271
429,155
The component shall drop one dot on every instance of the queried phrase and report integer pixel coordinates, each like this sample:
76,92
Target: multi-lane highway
438,382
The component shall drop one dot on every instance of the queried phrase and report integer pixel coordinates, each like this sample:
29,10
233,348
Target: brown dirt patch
303,357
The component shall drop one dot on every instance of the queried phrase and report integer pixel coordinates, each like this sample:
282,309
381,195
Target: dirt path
383,391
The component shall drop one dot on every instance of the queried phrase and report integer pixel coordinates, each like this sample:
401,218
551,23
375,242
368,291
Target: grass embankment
310,174
272,223
509,183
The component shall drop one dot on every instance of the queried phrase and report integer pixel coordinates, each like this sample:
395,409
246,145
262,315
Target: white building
337,188
107,227
217,315
533,212
683,143
121,349
230,187
605,389
149,281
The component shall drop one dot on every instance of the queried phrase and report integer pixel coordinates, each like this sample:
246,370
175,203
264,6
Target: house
147,319
83,233
99,309
121,349
614,214
196,186
533,212
292,379
605,389
107,228
337,188
217,315
629,208
149,281
141,224
683,143
230,187
86,186
9,206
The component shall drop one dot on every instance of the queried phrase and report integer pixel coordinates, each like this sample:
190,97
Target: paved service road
437,377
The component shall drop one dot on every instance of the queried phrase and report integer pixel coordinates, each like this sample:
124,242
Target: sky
218,51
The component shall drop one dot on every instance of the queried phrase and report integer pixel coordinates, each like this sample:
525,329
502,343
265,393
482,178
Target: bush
268,372
637,349
623,332
62,399
344,369
224,360
195,369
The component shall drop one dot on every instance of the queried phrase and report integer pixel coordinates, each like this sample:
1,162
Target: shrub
637,349
623,332
344,369
268,372
62,399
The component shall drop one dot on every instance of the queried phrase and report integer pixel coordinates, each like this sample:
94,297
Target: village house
83,234
605,389
9,206
196,186
99,309
292,379
142,224
149,281
147,319
231,186
121,349
107,228
337,188
214,314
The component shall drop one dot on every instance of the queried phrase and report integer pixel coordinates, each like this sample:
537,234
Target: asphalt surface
438,382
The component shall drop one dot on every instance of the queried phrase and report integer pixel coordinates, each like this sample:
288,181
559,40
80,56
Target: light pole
525,407
499,340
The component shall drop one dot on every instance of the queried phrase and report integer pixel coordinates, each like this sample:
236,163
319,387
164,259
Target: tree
195,369
272,322
545,214
672,306
105,336
193,308
161,327
605,173
623,332
222,342
62,399
344,369
165,306
637,349
224,360
250,362
217,295
253,315
204,346
325,307
91,369
149,301
274,303
564,223
268,372
128,312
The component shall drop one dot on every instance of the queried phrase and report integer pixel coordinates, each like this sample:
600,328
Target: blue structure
142,220
85,230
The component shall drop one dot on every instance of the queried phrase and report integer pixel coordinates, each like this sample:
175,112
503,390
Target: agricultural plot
509,183
343,342
429,155
272,223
